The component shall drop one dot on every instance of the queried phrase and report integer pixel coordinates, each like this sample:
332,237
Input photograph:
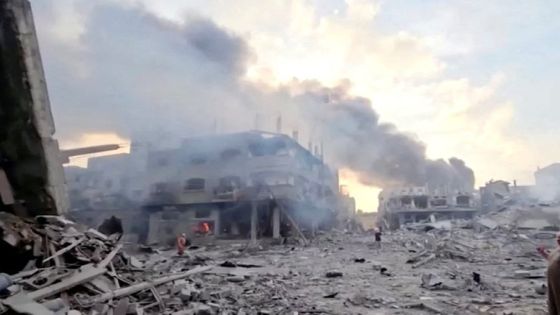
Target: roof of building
225,140
554,167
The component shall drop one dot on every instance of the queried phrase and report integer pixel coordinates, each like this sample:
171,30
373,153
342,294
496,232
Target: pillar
217,225
314,226
275,223
401,219
254,221
234,228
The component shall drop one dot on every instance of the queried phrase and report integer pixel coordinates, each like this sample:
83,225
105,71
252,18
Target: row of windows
230,183
194,184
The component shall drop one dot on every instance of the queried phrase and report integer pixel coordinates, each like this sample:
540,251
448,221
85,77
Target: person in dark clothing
553,276
377,234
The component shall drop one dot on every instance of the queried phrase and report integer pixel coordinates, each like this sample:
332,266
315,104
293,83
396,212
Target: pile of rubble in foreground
67,267
458,268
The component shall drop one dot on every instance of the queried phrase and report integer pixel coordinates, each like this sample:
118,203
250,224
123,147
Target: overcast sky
473,79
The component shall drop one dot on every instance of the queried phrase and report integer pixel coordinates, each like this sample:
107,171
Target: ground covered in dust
457,272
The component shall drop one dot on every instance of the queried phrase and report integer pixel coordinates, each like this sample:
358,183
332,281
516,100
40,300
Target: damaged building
249,184
404,205
547,181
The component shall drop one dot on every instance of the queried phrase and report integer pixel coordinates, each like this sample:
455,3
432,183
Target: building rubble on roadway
486,265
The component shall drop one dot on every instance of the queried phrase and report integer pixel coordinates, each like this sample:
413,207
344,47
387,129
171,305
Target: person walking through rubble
377,234
181,244
553,276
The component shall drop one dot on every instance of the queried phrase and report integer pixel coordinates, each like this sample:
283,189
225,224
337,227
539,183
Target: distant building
109,182
497,194
547,180
368,220
402,205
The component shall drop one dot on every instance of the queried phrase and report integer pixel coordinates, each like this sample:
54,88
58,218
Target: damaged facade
242,184
402,205
249,184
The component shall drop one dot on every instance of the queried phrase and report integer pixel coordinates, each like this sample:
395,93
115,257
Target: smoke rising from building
138,75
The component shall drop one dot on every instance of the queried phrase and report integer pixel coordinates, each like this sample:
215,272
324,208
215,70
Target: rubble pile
69,267
458,268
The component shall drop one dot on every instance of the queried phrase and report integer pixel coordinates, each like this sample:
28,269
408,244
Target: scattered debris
331,295
333,274
74,269
540,288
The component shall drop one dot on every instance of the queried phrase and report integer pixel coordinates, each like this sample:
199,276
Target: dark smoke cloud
140,75
354,138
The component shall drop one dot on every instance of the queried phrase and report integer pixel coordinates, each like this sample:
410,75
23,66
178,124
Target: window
268,147
421,202
195,184
438,202
406,200
202,213
229,154
272,178
463,200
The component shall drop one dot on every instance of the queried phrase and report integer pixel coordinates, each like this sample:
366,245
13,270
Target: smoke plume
135,74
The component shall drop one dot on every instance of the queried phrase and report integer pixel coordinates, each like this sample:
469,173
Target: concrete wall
30,156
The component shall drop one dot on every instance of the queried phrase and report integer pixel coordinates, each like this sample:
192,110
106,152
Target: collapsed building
247,184
403,205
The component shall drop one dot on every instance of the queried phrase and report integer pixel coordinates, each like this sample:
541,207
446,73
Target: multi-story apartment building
242,184
250,183
402,205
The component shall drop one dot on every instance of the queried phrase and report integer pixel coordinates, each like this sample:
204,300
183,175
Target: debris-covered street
468,269
278,157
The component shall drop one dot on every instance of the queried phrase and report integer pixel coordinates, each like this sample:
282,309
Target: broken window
463,200
272,146
195,184
438,202
272,178
230,154
202,213
406,201
421,202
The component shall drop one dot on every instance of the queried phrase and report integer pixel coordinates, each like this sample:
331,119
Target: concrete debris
58,267
462,269
333,274
540,288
